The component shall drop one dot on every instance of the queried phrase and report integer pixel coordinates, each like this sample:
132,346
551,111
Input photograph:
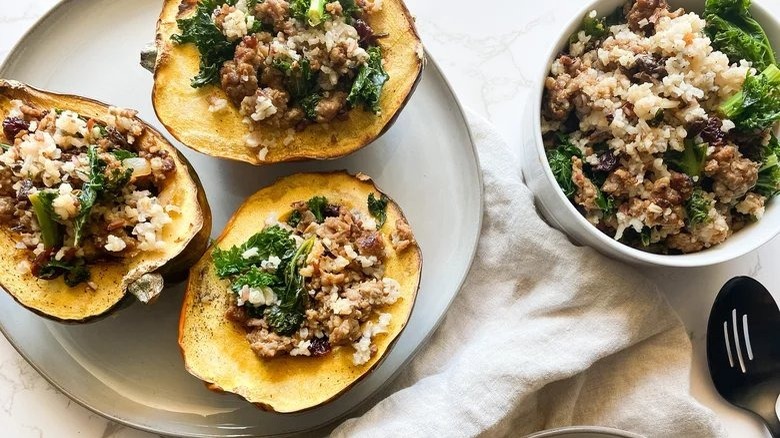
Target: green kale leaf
294,219
769,173
560,160
698,208
75,272
213,46
371,78
350,10
309,105
757,106
317,206
690,161
285,317
89,191
272,241
254,278
593,26
733,31
299,9
122,154
378,209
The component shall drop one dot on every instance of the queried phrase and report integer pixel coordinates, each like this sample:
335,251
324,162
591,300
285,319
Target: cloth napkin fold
543,334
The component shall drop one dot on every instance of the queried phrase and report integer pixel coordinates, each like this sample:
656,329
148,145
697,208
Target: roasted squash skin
215,349
187,236
184,110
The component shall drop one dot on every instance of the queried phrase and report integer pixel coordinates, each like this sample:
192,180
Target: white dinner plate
128,367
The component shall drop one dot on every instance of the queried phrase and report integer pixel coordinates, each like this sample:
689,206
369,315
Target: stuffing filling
285,63
657,133
315,282
77,191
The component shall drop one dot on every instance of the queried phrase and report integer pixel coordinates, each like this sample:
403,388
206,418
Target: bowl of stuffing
654,130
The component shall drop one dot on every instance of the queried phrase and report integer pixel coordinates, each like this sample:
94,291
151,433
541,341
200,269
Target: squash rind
215,349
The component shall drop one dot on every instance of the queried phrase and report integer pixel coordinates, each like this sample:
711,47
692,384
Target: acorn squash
184,110
185,238
216,348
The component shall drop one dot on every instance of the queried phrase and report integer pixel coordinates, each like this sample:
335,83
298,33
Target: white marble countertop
504,42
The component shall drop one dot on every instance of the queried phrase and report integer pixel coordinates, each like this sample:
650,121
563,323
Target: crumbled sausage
732,174
587,192
645,13
239,76
329,107
402,237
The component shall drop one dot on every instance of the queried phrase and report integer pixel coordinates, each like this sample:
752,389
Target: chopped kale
734,31
294,219
254,278
299,9
645,236
317,206
690,161
367,88
378,209
47,219
605,203
285,317
698,208
769,173
272,241
74,273
350,10
89,191
116,181
593,26
309,105
757,106
282,321
213,46
122,154
301,82
560,163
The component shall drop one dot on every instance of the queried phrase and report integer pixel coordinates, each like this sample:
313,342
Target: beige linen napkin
543,334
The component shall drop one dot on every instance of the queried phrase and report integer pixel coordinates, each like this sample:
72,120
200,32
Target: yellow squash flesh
186,237
184,110
215,349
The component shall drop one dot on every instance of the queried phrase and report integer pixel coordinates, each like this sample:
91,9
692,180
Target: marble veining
492,59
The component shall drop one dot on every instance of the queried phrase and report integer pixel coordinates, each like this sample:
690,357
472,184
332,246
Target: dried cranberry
331,210
607,162
319,346
365,32
40,262
649,69
13,126
116,137
712,133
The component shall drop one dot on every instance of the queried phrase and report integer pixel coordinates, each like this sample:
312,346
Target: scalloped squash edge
216,350
186,237
184,112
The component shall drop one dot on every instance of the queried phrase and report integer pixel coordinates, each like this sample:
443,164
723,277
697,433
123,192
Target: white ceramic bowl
564,216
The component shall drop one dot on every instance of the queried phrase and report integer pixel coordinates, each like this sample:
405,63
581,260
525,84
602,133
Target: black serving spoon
743,348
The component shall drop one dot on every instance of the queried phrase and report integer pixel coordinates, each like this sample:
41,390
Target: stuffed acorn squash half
303,294
94,204
266,81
